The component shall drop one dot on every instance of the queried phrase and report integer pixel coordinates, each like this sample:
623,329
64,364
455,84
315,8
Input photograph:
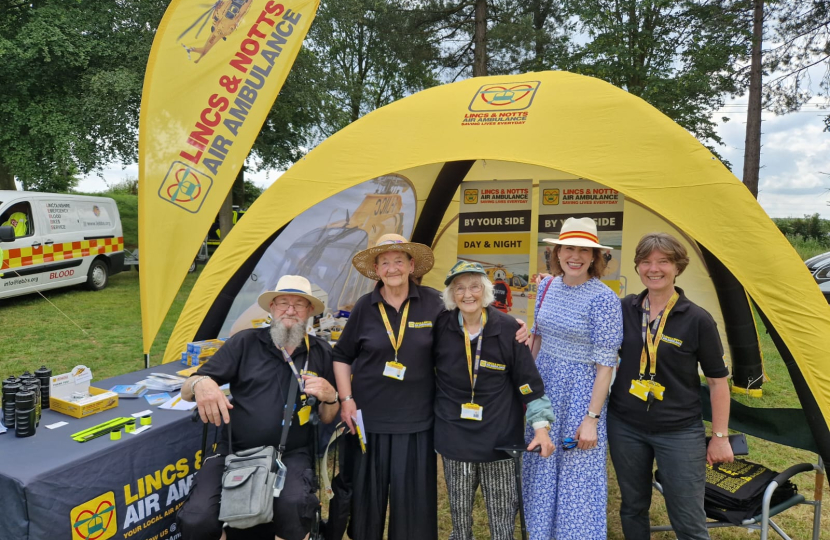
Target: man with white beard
259,364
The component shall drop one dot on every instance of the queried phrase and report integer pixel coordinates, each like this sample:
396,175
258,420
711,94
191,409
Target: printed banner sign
560,200
494,225
214,72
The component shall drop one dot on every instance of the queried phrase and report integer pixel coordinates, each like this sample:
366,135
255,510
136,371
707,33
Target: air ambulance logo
504,97
550,197
185,187
470,196
95,519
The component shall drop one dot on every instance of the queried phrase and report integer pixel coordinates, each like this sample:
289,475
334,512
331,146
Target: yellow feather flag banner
214,72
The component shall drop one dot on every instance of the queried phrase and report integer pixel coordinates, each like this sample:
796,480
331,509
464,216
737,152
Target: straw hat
295,286
578,232
364,261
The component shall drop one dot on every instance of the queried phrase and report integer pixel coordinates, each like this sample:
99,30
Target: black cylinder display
25,417
10,390
34,387
44,375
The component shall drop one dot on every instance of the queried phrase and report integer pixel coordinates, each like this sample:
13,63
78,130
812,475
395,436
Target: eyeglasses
569,443
474,289
299,307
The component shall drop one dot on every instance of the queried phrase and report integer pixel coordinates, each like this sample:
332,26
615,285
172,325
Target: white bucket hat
578,232
295,286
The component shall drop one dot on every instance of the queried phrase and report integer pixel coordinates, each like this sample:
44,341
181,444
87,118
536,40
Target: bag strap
324,465
288,412
536,313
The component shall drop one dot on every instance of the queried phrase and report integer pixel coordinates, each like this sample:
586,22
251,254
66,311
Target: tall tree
459,28
72,75
802,37
752,143
679,55
531,36
368,53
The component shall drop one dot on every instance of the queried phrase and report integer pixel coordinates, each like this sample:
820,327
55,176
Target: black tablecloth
53,488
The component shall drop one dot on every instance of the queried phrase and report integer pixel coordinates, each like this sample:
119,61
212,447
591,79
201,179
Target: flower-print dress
565,495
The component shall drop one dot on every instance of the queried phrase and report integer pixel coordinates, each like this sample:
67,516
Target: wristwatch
347,398
593,415
718,434
336,399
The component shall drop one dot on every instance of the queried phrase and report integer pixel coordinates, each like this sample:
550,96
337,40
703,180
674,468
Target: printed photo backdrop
320,243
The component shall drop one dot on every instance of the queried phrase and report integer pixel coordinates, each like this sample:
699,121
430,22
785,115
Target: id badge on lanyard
471,410
648,389
394,370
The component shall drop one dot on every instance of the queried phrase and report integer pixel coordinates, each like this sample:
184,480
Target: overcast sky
795,160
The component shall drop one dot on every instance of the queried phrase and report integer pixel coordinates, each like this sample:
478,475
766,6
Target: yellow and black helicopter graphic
224,17
329,249
324,254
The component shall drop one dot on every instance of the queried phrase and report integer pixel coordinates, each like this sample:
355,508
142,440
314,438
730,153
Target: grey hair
487,295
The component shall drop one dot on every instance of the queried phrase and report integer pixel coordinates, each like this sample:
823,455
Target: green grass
71,326
103,331
808,247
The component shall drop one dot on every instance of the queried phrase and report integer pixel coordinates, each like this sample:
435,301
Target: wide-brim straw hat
295,286
580,232
364,261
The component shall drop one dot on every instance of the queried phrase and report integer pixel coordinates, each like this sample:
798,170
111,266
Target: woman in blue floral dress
579,321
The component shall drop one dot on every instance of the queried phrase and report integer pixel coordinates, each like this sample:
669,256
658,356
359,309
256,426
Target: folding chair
783,426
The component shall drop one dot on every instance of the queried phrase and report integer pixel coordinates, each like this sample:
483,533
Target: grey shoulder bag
254,477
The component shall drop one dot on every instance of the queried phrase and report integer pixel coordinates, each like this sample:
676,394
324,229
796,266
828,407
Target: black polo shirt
690,337
259,379
389,405
507,370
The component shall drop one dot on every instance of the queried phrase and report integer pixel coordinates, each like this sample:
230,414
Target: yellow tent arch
568,127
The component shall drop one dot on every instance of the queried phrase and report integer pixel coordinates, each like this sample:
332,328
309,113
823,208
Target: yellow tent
560,127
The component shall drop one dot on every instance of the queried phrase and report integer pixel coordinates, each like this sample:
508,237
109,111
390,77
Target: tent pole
818,495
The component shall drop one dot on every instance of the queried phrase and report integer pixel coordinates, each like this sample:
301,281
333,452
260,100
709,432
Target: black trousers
293,510
398,469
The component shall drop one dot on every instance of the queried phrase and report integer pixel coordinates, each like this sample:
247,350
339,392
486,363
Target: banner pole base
146,361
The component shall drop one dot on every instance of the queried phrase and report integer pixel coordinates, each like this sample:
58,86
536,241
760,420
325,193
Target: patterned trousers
498,485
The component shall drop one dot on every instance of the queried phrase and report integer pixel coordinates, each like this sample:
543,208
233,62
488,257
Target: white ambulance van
51,240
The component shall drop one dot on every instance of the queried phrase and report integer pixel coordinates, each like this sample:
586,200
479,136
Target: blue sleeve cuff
539,410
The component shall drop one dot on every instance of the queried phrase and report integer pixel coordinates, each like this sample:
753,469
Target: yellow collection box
63,386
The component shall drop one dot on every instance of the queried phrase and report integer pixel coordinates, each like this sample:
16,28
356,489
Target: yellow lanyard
652,342
473,368
395,344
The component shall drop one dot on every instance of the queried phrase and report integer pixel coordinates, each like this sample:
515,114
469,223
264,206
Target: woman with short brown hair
655,408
